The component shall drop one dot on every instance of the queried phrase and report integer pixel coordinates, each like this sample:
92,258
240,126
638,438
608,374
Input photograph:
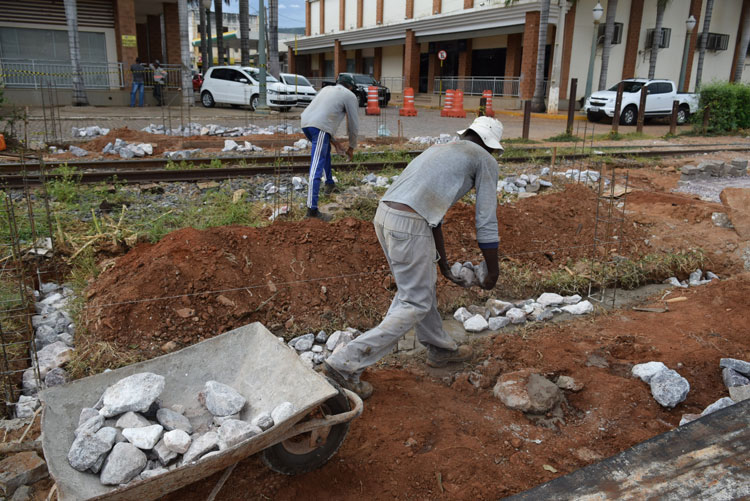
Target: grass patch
520,140
92,357
564,138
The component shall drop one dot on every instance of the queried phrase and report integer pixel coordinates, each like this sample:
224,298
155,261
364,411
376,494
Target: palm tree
702,43
79,90
245,32
609,31
744,42
204,44
187,78
537,101
219,17
273,37
209,43
661,6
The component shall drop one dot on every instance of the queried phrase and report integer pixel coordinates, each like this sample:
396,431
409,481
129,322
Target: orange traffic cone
448,105
2,142
458,105
373,107
408,110
488,111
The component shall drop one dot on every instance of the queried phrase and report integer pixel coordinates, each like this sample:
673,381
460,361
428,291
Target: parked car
239,86
197,81
301,86
661,94
363,82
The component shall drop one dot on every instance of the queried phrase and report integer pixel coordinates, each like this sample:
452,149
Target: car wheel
207,99
593,116
629,116
254,102
683,114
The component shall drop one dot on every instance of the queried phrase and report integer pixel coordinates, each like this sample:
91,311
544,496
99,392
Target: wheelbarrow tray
250,359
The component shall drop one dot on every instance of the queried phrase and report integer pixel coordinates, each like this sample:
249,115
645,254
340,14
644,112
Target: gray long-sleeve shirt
444,173
328,109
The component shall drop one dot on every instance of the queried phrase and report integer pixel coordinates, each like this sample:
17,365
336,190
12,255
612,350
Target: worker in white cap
408,226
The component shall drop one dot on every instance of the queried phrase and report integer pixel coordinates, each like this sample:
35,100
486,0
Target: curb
511,113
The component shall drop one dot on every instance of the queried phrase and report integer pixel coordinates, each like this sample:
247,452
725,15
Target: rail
36,73
474,86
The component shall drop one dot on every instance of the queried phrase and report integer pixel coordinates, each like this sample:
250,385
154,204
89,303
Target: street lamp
597,13
689,25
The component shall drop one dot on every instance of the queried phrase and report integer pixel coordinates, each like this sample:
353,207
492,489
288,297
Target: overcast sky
291,12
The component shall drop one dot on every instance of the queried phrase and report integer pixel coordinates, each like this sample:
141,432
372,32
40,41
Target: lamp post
689,25
597,13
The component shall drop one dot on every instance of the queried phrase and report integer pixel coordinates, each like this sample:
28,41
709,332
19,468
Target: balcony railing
474,86
35,73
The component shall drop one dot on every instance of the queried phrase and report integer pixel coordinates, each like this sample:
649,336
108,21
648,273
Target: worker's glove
350,153
459,279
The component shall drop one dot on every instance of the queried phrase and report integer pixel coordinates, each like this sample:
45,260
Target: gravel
710,189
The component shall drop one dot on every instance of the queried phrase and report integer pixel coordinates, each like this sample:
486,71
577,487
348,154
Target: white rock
177,441
145,437
132,420
233,432
481,272
201,445
163,453
172,420
498,307
550,299
229,145
581,308
263,420
123,464
467,276
674,282
134,393
456,269
462,314
575,298
147,148
282,412
497,323
476,323
648,370
307,358
516,315
222,400
53,356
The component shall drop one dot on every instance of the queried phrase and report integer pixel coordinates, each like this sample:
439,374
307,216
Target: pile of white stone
442,139
128,436
314,349
246,147
196,129
496,314
89,132
525,183
736,376
695,279
667,386
128,150
579,176
380,181
181,154
299,145
53,339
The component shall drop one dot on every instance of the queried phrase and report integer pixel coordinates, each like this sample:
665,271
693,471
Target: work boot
316,213
329,188
361,388
440,357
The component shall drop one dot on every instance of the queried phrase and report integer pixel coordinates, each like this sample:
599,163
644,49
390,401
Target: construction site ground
441,434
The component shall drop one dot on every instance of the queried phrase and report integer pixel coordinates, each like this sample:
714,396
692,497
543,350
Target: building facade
488,41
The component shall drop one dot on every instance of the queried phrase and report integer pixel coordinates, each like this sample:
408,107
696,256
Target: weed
564,138
65,188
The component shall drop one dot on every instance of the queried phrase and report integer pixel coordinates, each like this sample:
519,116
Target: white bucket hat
489,129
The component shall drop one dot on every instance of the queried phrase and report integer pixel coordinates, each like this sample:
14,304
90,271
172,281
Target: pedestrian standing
138,72
319,122
160,80
408,226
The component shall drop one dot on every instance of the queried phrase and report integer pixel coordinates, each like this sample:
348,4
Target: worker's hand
447,273
339,147
350,153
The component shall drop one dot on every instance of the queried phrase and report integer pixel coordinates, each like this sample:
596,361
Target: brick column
570,25
358,61
308,27
695,11
322,5
342,15
292,60
513,55
437,6
379,12
432,71
339,58
631,44
360,8
172,33
411,60
468,4
551,34
464,61
409,14
738,45
125,25
377,69
528,55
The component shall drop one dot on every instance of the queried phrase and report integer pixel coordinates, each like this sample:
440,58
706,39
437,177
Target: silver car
300,86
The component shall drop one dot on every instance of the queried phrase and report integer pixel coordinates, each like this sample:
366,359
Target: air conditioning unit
716,41
616,36
666,35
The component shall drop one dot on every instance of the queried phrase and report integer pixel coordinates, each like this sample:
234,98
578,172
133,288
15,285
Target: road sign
442,55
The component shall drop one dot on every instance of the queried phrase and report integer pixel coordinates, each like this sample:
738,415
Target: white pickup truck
661,94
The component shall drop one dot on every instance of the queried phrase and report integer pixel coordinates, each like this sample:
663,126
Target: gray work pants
409,247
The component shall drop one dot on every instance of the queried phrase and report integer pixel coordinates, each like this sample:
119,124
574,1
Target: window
666,35
629,87
220,74
716,41
50,45
616,35
234,76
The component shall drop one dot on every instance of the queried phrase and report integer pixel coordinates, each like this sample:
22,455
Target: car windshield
628,87
255,73
297,80
364,79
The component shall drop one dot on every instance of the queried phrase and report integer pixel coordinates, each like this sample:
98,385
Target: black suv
363,82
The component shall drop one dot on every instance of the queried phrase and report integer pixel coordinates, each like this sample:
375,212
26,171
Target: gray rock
26,406
498,307
307,357
172,420
648,370
65,338
79,152
568,383
229,145
733,378
467,276
108,435
145,437
544,395
456,269
481,272
497,323
695,278
738,365
338,338
317,349
201,445
462,314
321,337
134,393
219,420
146,474
53,356
233,432
479,310
177,441
516,315
319,358
282,412
550,299
126,153
45,335
304,343
163,453
132,420
476,323
123,464
739,393
718,405
91,425
222,400
86,414
263,421
85,451
581,308
56,377
674,282
540,315
669,388
710,275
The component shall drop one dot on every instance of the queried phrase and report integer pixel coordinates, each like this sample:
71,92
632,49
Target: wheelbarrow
250,359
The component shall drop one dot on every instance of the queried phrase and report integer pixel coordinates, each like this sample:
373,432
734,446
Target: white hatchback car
239,86
301,87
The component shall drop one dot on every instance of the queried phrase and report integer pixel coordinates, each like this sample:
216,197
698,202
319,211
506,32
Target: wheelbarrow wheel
309,451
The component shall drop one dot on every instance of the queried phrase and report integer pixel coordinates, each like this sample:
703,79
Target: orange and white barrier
457,111
408,110
373,106
448,104
488,111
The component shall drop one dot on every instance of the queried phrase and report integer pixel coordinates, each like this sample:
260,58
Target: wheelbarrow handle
329,420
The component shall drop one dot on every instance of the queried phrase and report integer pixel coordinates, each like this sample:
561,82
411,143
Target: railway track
151,170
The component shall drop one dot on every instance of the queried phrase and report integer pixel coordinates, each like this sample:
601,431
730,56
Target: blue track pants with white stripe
320,163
